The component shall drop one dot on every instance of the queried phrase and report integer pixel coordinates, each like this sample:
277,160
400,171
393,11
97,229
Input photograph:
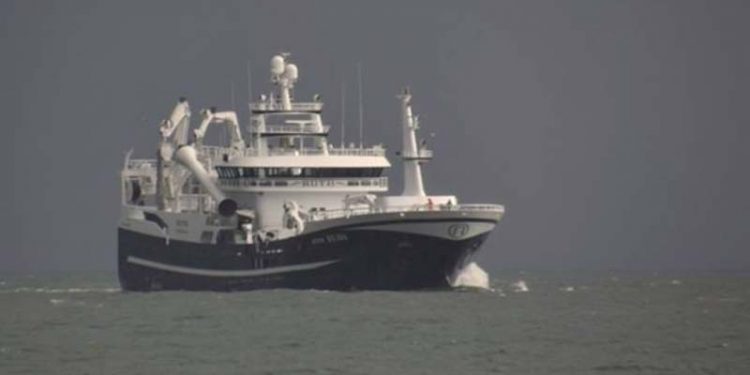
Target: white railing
420,154
318,151
306,183
142,164
336,214
295,129
217,152
374,151
296,106
480,207
195,202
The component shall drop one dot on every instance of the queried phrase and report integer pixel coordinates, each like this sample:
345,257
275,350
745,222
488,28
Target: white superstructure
285,175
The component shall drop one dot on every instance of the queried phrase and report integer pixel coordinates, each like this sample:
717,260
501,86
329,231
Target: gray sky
615,132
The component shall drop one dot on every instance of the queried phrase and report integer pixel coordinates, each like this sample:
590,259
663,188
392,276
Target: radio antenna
249,83
361,122
231,94
343,112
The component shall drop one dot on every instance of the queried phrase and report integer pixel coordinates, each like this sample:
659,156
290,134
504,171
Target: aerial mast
285,76
361,122
411,155
249,83
343,112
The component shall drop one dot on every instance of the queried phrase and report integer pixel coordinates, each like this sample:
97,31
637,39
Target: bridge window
250,172
341,172
283,172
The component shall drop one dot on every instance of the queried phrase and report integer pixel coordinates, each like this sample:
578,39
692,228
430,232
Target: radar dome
291,73
277,65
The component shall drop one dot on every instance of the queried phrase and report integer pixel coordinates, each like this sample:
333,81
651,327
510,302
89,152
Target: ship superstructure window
342,172
238,172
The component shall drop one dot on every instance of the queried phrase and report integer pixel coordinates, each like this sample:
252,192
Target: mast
361,122
411,155
249,83
343,113
284,75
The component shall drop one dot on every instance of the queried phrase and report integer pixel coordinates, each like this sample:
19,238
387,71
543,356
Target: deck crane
210,116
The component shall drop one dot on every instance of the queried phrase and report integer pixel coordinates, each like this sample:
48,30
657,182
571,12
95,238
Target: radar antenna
284,75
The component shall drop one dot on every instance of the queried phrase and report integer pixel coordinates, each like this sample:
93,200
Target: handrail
196,202
292,182
339,213
295,107
420,154
480,207
295,129
357,151
215,152
141,164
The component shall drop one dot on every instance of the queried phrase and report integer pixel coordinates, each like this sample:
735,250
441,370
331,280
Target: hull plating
336,259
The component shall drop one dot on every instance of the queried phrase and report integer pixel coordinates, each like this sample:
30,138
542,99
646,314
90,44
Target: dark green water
564,324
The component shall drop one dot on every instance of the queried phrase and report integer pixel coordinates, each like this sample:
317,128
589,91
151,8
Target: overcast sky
615,132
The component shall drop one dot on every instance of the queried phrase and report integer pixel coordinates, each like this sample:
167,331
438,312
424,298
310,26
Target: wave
471,276
61,291
520,287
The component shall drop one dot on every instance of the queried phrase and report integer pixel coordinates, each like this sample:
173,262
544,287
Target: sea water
520,323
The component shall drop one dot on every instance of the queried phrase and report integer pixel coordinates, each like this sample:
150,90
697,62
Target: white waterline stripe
231,273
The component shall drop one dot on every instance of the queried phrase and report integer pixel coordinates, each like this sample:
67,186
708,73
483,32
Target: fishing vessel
285,208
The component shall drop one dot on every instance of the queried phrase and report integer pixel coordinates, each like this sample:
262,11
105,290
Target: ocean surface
523,323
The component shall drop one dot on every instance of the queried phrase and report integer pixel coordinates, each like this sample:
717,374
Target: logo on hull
458,230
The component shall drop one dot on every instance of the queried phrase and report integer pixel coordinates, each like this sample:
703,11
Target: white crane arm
178,123
229,118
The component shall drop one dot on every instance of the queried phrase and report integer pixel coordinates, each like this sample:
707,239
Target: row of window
237,172
311,183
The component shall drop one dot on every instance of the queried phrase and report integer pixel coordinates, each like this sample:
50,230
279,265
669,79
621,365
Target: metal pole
361,122
343,112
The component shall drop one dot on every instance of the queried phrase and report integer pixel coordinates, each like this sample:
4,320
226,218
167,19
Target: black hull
330,260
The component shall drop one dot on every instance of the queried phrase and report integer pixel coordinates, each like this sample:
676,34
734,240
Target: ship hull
379,257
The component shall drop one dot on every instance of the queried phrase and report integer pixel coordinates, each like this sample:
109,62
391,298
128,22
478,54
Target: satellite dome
277,65
291,73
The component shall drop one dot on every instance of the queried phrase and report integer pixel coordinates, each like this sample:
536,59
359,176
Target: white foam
61,291
471,276
56,301
676,282
568,289
520,286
